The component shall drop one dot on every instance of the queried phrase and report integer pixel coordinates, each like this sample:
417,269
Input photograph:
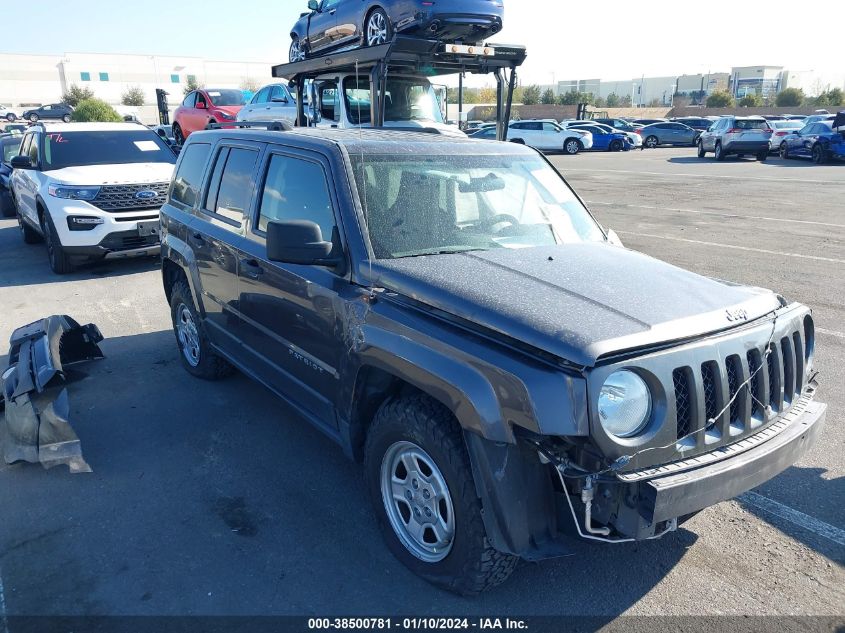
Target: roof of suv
89,127
371,141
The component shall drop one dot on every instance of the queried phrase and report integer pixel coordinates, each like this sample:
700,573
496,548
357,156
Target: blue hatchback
604,138
818,141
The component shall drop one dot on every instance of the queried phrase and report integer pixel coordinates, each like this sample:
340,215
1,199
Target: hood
445,130
232,110
577,302
129,174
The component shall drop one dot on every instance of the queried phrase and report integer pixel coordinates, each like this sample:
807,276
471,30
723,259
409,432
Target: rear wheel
178,137
819,155
377,30
572,146
196,353
762,155
651,142
784,151
421,485
720,155
701,152
29,234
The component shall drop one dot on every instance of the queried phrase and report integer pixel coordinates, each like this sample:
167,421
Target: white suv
548,136
91,190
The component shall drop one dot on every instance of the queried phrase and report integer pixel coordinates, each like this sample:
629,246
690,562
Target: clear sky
613,39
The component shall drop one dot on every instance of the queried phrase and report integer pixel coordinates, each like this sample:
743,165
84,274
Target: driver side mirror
313,5
21,162
299,242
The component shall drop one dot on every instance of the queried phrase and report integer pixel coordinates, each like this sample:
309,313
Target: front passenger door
288,322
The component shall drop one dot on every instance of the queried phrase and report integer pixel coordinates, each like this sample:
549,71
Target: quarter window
190,100
186,185
231,184
296,189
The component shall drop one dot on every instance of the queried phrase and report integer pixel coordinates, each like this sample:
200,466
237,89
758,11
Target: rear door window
231,185
186,184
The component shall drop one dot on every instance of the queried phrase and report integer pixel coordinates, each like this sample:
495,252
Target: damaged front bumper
36,425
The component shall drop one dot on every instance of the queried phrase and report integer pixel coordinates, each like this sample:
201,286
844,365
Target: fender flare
176,251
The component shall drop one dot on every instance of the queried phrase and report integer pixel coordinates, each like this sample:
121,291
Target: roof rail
271,126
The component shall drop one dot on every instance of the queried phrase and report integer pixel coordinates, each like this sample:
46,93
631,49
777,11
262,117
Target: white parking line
716,213
4,623
821,330
567,170
738,248
800,519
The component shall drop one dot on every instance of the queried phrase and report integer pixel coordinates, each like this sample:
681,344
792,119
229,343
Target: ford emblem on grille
146,195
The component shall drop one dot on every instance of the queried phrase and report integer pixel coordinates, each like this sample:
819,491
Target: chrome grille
119,198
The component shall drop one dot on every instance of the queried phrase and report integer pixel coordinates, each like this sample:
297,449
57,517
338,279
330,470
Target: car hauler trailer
409,56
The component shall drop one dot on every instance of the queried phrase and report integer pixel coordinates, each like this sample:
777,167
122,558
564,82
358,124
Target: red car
204,106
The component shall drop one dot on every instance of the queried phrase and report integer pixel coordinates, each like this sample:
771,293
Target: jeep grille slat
683,404
737,399
711,404
120,198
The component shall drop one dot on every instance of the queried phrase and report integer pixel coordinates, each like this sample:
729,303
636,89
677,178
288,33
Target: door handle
251,268
197,239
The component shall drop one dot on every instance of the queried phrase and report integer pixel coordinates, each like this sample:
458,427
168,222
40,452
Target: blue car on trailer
820,141
604,137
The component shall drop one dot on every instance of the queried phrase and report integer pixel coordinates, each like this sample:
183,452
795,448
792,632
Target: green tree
487,95
790,98
612,100
720,99
95,110
833,97
625,102
133,96
600,102
751,100
190,85
548,97
531,95
75,94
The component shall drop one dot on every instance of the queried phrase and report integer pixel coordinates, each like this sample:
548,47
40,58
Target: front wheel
720,154
60,263
421,485
701,152
617,146
178,137
297,52
11,118
819,155
33,118
651,142
378,30
66,118
572,146
784,151
196,353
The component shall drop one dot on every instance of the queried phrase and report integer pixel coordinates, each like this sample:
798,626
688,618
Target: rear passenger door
213,236
288,314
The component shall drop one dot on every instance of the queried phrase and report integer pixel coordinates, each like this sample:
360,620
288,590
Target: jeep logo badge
737,315
146,195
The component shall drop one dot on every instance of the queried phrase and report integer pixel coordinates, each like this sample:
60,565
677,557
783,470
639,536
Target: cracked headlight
624,404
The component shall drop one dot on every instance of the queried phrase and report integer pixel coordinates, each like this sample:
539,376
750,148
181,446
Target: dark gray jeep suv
452,315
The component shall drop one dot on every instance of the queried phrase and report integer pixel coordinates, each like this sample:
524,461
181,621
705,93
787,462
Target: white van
342,100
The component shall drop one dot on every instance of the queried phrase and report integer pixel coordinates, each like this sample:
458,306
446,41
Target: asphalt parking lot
216,499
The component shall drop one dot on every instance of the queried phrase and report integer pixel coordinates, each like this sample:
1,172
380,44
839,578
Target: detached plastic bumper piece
36,426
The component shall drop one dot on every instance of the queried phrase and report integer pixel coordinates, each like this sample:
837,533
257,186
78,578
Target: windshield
11,147
226,97
77,149
433,204
405,100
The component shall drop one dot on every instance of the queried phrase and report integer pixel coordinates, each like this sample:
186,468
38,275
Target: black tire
616,146
29,234
472,564
701,152
60,263
208,365
33,118
784,151
720,155
763,155
572,146
652,142
377,14
66,118
819,154
178,138
11,117
296,53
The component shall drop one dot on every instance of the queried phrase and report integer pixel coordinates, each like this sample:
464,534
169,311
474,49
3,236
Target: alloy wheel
189,339
297,54
377,29
417,502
